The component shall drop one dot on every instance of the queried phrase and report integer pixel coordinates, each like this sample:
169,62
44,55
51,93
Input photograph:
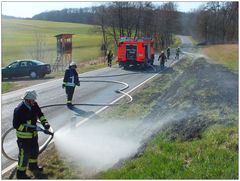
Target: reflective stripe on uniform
29,122
26,135
64,83
22,168
21,127
70,84
69,101
20,162
43,119
32,161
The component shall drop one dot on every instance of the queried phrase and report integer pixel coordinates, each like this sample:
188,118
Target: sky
31,8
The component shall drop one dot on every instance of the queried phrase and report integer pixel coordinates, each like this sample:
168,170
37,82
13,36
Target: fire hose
50,133
37,128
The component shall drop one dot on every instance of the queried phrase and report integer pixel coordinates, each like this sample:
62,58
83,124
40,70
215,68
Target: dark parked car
21,68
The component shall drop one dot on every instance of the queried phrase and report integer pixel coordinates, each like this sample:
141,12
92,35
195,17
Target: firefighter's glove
78,84
46,125
63,86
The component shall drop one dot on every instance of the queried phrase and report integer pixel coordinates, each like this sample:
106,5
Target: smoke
98,145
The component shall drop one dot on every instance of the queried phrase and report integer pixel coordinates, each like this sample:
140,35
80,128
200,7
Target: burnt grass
194,94
201,95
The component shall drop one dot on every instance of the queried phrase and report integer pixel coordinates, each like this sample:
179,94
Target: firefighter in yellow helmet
24,121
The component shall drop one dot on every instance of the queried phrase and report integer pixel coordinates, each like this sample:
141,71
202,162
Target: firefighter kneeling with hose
25,122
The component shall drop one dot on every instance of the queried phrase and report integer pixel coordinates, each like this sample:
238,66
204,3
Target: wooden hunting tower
64,50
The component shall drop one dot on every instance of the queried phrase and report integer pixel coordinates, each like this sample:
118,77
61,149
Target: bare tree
138,19
217,22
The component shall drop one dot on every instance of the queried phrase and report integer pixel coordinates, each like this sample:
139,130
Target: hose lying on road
41,149
44,146
121,91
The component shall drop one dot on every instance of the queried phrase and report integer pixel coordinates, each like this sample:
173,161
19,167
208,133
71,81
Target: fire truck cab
137,52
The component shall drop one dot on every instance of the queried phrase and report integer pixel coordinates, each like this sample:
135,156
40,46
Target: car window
36,62
30,64
23,64
13,65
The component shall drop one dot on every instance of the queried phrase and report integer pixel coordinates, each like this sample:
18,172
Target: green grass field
19,38
224,54
212,157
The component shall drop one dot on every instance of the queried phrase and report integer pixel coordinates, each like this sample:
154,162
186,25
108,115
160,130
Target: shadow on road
82,113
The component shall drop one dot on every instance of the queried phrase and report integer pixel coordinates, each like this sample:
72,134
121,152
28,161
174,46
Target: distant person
177,53
162,58
168,52
70,81
152,59
109,58
25,121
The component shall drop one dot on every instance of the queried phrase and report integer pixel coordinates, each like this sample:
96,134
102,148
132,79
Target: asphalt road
51,92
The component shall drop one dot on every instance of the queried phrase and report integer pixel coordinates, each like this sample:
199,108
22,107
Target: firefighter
109,58
168,52
177,53
152,59
24,121
163,57
69,82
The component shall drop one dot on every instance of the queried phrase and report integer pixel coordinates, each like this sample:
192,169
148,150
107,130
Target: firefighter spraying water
25,122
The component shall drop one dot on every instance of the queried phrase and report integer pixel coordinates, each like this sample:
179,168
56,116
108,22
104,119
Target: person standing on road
152,59
168,53
70,81
25,121
109,58
177,53
162,57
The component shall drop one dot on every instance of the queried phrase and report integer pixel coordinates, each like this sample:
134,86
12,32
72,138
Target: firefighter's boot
22,175
69,105
35,168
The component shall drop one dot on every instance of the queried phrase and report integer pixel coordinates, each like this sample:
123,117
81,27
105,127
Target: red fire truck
135,52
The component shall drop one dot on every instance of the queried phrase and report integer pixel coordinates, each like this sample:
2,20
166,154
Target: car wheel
33,74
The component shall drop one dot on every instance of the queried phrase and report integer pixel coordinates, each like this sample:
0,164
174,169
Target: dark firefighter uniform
27,138
69,82
162,57
168,52
109,58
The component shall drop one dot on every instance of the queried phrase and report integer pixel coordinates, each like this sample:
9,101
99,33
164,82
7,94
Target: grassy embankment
202,145
184,151
226,54
213,153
